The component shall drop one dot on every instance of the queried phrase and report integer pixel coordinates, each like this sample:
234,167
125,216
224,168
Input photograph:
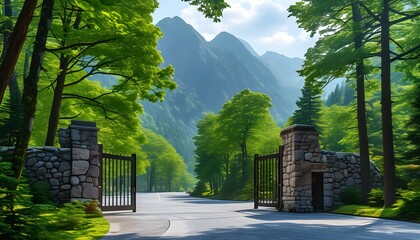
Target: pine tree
309,106
413,127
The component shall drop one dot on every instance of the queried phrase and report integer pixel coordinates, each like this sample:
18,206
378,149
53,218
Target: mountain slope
210,73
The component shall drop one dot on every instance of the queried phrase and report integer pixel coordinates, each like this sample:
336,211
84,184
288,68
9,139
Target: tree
342,46
402,12
167,170
30,90
16,41
240,119
212,153
309,107
210,8
106,38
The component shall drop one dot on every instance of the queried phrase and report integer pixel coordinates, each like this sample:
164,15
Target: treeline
360,40
51,54
226,142
370,44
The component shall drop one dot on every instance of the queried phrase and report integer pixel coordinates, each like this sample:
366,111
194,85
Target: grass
376,212
73,222
94,229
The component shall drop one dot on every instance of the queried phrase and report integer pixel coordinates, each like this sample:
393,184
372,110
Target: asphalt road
179,216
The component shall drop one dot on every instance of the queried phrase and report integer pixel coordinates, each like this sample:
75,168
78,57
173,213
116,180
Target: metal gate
268,180
117,182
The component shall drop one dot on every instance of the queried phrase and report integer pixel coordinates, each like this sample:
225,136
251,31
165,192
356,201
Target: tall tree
167,170
30,90
106,38
309,107
11,110
343,39
16,41
239,120
358,37
211,153
403,11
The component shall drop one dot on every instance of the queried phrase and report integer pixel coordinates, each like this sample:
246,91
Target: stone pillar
85,170
301,157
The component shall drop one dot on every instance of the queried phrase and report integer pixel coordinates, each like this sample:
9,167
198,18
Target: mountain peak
229,43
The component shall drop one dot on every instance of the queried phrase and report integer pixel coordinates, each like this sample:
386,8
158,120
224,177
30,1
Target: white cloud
279,37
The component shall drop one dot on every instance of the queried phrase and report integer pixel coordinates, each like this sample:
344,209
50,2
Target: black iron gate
268,180
117,182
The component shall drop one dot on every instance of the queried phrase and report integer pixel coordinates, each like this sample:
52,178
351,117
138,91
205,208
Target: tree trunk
387,135
30,90
244,176
56,104
227,167
152,181
361,105
15,45
169,178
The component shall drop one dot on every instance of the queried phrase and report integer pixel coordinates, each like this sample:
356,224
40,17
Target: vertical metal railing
268,180
117,182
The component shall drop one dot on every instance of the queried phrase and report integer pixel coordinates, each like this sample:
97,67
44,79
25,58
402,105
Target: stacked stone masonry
72,171
303,156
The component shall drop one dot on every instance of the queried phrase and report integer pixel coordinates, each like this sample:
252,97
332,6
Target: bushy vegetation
28,213
227,141
351,195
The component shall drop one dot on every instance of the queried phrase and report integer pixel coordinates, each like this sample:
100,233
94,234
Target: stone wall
302,157
343,170
83,139
72,171
53,166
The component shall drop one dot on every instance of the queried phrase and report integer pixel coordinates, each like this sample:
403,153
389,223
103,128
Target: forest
374,47
54,53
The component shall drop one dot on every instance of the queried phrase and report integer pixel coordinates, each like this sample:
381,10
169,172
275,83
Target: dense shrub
200,188
41,194
376,197
19,217
410,207
92,209
351,195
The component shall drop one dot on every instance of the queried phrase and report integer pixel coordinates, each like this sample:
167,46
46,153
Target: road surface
179,216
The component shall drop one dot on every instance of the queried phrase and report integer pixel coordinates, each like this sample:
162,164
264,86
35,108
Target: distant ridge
210,73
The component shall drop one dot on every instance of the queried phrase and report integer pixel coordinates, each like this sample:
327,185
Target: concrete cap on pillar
298,127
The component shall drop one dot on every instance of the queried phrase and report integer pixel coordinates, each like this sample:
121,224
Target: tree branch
402,55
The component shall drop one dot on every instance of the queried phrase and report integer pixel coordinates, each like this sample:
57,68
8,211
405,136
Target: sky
262,23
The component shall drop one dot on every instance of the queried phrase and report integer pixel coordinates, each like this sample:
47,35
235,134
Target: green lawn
377,212
95,228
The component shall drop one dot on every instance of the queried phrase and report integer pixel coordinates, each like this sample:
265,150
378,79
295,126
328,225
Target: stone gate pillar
82,138
301,157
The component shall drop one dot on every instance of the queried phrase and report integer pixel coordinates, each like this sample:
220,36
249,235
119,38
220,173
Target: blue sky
262,23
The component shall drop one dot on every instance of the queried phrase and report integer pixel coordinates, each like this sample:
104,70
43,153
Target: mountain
210,73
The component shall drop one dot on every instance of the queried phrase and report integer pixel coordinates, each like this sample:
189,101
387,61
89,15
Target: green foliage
19,218
11,114
41,194
410,208
309,106
413,124
210,8
200,189
376,197
167,170
227,140
351,195
342,95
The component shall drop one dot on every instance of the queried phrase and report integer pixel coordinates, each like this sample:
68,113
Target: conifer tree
309,106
